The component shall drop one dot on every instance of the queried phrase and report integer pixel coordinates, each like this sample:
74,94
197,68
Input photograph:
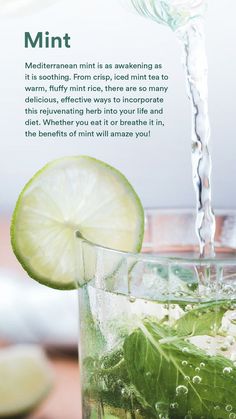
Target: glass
158,329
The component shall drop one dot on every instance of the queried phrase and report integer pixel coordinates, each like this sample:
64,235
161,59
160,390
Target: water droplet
184,363
233,318
228,289
228,408
174,406
125,392
224,347
197,379
227,370
202,364
181,390
132,299
160,407
230,340
232,416
187,378
197,369
185,350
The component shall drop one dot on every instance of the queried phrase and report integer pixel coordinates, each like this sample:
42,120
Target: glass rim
162,259
169,259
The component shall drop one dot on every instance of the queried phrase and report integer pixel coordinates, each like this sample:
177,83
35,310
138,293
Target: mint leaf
158,370
107,380
186,275
204,320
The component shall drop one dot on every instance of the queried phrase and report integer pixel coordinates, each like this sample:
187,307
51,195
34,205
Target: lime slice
69,195
26,379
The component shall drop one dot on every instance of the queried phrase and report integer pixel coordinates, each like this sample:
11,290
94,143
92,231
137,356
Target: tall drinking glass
158,329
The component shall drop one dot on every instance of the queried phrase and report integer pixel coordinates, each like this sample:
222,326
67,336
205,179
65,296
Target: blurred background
159,168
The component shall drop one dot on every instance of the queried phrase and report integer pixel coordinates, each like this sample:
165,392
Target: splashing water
173,13
184,17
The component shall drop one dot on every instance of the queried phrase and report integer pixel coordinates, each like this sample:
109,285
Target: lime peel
68,197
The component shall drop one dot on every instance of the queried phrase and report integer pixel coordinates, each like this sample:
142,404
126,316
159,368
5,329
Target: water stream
185,17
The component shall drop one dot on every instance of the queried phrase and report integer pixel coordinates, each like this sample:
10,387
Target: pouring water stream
185,18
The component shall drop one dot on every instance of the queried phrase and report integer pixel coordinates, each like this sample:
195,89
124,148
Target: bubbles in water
132,299
196,379
228,289
125,392
228,408
232,416
181,390
227,370
187,378
184,363
216,407
233,318
161,409
202,364
174,406
224,347
230,340
185,350
197,369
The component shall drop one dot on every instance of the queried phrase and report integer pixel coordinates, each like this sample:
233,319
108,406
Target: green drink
157,334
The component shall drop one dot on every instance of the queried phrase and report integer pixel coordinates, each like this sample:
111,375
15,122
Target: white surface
104,30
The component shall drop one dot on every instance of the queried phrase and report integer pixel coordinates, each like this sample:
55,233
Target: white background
160,168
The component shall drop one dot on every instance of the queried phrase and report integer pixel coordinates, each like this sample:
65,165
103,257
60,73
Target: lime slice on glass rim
73,195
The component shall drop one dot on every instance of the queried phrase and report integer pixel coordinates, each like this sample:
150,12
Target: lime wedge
73,194
26,379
